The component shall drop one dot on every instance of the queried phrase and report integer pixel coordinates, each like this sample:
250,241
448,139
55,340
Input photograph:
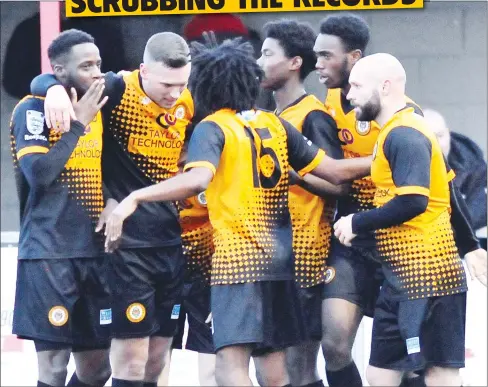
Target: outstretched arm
204,151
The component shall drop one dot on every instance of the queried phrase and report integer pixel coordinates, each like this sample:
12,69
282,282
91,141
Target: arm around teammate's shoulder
58,106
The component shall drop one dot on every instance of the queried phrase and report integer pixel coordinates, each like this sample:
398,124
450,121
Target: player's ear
355,55
385,88
296,63
143,71
58,70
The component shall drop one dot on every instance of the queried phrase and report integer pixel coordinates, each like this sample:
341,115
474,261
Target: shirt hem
287,277
148,245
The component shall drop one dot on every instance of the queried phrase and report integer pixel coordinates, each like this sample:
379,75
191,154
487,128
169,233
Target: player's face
364,96
164,84
437,124
82,67
333,63
275,64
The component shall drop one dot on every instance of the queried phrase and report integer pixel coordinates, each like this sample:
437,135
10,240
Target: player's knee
159,356
129,358
374,376
155,366
442,376
301,364
272,369
383,377
336,349
226,370
52,366
273,378
93,367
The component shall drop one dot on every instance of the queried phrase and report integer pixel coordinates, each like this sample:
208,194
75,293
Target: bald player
353,275
419,319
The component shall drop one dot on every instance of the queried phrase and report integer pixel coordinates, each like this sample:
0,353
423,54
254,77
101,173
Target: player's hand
58,109
90,104
102,220
294,177
476,263
115,222
209,42
343,230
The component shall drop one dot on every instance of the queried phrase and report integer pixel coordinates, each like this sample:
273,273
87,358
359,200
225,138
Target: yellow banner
77,8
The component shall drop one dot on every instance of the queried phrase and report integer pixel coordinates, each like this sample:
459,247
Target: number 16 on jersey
266,172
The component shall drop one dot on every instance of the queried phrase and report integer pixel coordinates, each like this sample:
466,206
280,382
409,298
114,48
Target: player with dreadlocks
253,297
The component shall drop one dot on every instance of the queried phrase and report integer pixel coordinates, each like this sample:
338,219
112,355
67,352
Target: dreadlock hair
224,76
296,39
351,29
60,48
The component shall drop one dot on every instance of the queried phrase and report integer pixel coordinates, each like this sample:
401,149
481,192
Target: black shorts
410,335
147,286
63,301
265,315
311,303
195,308
353,274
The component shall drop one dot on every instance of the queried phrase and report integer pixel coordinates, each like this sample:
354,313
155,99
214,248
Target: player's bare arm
342,171
180,187
321,187
324,167
58,105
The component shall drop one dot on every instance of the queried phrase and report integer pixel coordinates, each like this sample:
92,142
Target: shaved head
437,123
377,86
380,68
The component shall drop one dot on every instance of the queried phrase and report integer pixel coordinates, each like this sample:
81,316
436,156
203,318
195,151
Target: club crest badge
363,127
136,312
329,275
58,316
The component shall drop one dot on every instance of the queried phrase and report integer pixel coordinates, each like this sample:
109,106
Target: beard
344,74
81,89
370,110
272,84
342,79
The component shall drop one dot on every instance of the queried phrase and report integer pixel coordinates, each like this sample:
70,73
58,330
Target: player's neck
289,93
345,89
388,111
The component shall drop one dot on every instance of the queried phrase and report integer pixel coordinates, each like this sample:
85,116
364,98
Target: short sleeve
320,128
29,129
409,154
205,146
303,155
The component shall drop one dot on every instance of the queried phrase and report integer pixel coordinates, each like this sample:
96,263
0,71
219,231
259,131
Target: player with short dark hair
420,315
354,274
146,119
287,58
63,297
254,303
